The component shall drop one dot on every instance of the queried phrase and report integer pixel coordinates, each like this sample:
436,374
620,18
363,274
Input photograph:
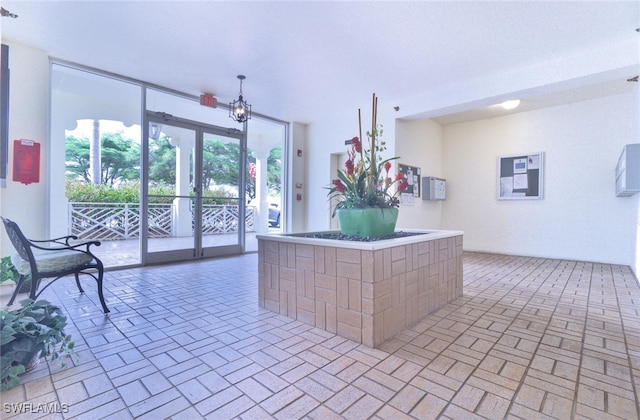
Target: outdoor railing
116,221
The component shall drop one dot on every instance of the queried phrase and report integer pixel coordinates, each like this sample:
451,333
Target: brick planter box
364,291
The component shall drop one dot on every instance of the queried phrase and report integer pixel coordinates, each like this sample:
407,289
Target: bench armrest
66,246
59,240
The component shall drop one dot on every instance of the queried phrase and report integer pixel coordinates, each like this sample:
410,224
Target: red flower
387,166
399,176
349,165
403,186
339,185
357,145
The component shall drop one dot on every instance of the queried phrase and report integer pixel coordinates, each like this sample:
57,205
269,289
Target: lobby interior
548,325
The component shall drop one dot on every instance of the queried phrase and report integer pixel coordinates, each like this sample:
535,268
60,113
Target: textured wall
366,296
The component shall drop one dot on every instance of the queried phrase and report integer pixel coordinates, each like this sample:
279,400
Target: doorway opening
97,188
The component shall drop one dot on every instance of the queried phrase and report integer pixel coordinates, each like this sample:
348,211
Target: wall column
182,217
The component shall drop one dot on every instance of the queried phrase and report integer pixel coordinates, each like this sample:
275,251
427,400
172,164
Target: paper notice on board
520,182
506,186
534,162
520,166
407,198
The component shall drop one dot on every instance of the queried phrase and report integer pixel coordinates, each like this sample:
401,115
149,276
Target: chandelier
240,110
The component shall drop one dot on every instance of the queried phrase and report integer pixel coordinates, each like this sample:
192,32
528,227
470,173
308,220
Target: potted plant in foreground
33,331
9,272
367,194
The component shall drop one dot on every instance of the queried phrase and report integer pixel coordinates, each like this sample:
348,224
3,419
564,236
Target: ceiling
304,60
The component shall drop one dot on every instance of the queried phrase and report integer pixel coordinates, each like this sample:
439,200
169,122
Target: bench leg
35,284
99,280
78,282
18,287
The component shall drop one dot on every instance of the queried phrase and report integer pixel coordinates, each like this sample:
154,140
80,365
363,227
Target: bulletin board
520,177
411,174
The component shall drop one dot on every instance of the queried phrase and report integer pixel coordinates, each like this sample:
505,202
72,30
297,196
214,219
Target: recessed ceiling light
510,104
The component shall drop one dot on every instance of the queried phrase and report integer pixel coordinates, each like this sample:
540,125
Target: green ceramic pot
367,222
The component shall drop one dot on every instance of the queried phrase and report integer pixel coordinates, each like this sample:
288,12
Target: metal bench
57,260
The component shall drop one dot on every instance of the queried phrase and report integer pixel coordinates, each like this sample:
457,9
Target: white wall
298,185
419,144
327,137
28,119
323,140
580,217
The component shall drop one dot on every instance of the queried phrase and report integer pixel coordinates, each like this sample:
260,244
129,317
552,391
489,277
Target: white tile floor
531,338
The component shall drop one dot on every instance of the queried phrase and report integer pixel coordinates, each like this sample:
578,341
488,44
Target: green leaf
35,326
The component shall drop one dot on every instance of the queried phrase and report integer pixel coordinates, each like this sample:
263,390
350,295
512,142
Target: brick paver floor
531,338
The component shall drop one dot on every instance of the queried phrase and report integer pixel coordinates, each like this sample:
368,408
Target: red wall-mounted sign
208,100
26,161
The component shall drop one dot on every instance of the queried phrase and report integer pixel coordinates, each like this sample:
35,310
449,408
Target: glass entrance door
222,184
192,191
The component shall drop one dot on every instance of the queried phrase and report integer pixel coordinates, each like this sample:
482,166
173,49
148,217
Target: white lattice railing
115,221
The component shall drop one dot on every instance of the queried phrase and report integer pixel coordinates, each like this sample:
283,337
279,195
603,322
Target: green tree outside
121,167
120,159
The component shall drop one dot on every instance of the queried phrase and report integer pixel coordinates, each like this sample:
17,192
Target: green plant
36,329
8,272
81,192
365,180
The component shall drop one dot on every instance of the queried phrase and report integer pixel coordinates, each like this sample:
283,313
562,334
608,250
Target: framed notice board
411,174
520,177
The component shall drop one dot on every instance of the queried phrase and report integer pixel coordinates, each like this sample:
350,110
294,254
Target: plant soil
340,237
